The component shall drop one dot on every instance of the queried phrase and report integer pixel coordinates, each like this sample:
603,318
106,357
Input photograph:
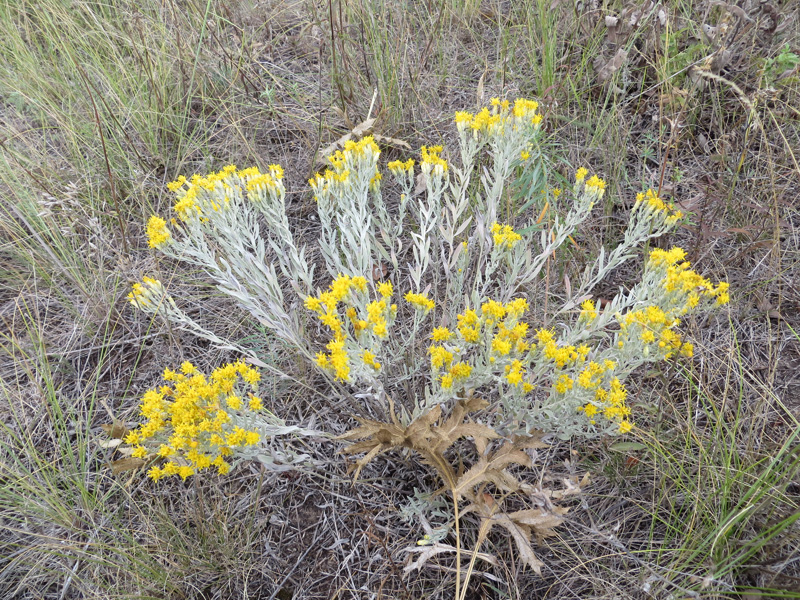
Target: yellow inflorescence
458,372
432,160
157,232
504,338
200,195
501,114
399,167
504,236
610,402
469,326
420,301
364,148
683,290
596,185
561,356
515,373
326,306
681,280
147,294
189,423
369,359
385,289
588,311
653,202
441,358
441,334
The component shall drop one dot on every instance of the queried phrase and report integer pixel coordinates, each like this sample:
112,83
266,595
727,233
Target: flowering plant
196,422
472,315
472,327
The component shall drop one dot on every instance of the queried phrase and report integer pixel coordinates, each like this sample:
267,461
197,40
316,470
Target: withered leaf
126,464
427,552
116,430
542,522
112,443
521,535
605,72
490,469
423,435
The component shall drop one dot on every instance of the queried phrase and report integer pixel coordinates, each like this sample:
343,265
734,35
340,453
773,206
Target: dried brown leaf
521,535
572,487
390,141
116,430
428,552
542,522
126,464
605,72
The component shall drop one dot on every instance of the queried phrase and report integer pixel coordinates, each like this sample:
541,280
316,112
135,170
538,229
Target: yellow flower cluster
385,289
596,185
326,306
469,326
191,422
588,311
680,279
561,356
653,202
515,375
508,340
353,158
365,148
611,404
504,236
458,372
266,181
157,232
369,359
681,291
399,167
337,360
501,113
592,376
420,301
510,336
377,313
200,195
500,322
652,325
665,258
441,334
375,182
148,294
441,358
431,161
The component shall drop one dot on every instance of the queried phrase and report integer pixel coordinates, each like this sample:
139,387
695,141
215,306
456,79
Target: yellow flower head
157,232
504,236
385,289
432,161
441,334
420,301
187,421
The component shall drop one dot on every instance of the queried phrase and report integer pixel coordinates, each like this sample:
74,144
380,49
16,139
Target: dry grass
101,105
